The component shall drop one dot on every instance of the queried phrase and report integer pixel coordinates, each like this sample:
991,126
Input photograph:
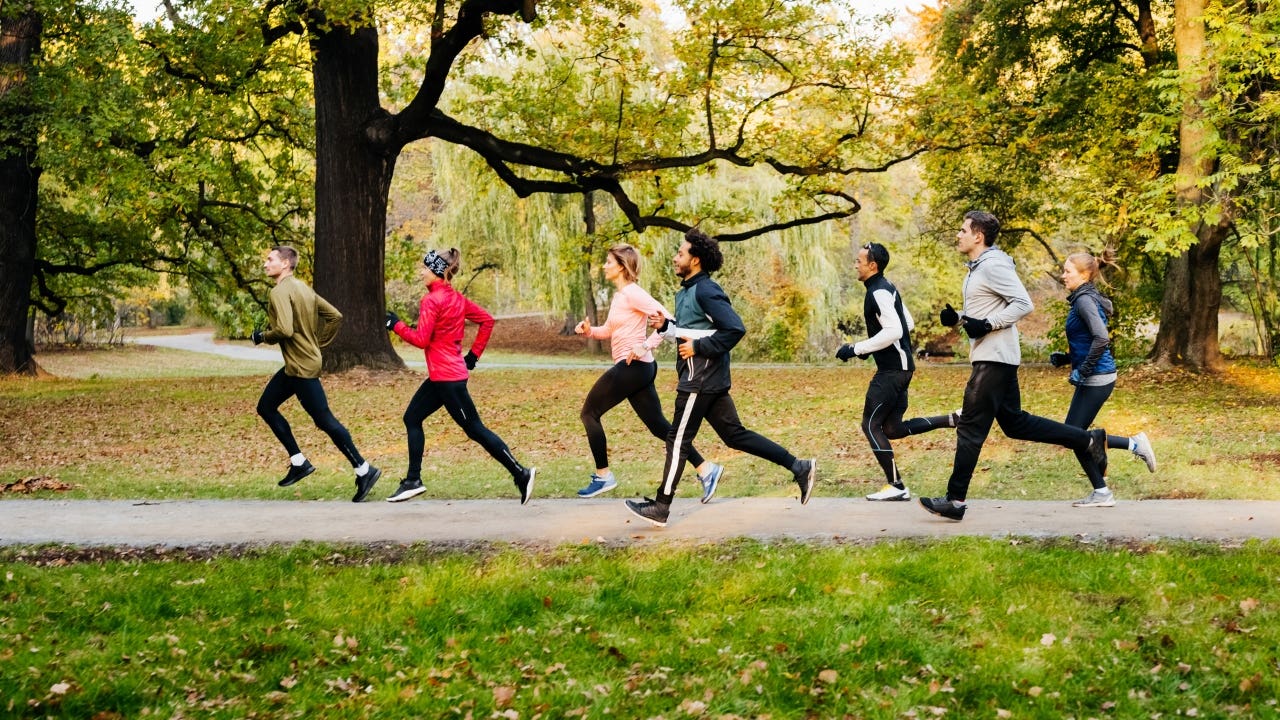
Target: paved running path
549,522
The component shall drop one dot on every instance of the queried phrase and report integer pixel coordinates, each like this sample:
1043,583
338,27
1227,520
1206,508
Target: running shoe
296,473
1142,448
805,471
651,510
891,492
599,484
408,489
525,483
711,481
943,507
365,483
1097,498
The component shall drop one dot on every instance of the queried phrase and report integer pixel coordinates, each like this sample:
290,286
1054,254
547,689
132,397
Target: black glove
1058,359
976,328
470,359
845,352
392,319
949,316
256,337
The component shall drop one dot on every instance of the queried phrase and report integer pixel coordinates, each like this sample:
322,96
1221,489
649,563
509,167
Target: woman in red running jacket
441,317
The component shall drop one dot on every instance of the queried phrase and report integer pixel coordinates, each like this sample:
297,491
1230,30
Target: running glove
976,328
949,316
256,337
845,352
392,319
470,359
1058,359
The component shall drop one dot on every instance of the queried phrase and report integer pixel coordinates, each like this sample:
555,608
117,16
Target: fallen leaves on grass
28,485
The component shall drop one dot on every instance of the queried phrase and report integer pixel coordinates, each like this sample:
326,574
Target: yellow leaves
1252,683
828,677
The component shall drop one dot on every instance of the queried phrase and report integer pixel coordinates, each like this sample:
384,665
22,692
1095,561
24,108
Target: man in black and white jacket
994,301
889,326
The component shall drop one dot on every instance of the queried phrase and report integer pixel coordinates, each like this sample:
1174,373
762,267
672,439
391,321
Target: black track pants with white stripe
718,410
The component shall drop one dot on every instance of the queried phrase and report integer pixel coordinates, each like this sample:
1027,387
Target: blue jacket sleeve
729,328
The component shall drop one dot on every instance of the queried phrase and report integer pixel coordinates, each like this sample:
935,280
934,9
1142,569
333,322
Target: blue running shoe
711,481
598,485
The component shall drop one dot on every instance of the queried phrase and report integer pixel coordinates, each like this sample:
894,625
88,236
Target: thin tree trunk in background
589,291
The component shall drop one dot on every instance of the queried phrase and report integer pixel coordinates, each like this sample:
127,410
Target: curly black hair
706,249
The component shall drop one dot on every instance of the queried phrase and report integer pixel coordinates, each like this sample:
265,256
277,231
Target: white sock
1133,446
297,460
363,469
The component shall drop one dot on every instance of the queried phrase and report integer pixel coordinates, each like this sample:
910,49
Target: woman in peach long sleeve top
632,375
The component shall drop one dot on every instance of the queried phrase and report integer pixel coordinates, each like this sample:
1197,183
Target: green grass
737,630
133,422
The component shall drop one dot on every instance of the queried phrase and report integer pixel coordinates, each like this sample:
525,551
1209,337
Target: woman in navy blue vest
1093,368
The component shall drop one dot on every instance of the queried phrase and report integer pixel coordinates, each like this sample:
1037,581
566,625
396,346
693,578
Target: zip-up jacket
442,317
301,322
993,292
1088,339
701,304
889,324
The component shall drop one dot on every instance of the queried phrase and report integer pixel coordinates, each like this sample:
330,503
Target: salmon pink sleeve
644,303
481,317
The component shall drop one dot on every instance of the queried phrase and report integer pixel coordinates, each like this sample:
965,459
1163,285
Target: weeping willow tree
791,286
753,121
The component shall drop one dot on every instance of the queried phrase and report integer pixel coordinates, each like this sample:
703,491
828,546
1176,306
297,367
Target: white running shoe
889,492
1144,451
1097,498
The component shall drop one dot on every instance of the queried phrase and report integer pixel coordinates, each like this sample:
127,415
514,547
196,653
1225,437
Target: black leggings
992,395
718,410
882,412
455,398
633,383
311,395
1085,404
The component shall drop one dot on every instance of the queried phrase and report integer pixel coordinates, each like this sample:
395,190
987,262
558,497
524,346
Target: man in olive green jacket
302,322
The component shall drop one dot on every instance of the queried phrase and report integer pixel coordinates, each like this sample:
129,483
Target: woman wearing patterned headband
631,377
442,316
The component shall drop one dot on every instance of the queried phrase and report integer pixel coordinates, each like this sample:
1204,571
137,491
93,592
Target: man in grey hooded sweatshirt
994,301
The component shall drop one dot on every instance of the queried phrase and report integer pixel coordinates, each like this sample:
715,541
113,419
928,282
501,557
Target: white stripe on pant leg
674,461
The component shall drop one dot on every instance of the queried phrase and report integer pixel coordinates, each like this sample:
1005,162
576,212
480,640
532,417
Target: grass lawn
153,423
958,628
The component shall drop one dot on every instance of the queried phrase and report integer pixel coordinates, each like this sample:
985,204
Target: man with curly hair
707,328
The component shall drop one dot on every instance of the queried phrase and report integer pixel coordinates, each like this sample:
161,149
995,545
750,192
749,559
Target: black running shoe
525,483
651,510
806,472
408,489
296,473
365,483
1098,449
944,507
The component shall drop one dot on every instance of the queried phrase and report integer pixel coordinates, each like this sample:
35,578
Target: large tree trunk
353,178
1193,286
20,30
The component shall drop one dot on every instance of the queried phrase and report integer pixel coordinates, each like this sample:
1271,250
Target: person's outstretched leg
463,411
311,395
722,415
279,389
644,401
689,411
885,403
